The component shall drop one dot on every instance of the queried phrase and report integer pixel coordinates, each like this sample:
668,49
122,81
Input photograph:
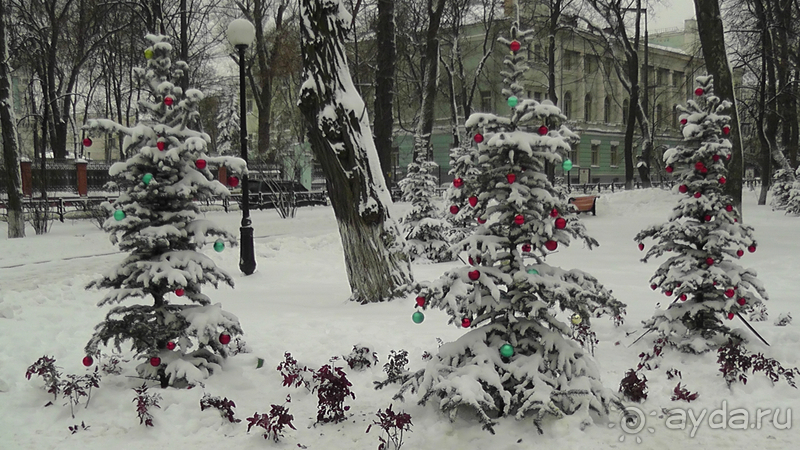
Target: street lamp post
240,34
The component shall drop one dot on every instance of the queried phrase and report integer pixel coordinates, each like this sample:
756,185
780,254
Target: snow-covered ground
297,302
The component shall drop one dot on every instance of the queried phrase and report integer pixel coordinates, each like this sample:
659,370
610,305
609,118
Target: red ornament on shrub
526,247
511,178
741,301
641,246
683,297
168,100
88,361
707,218
699,165
698,194
179,292
474,275
87,142
233,181
683,188
684,121
728,157
669,169
554,213
170,345
710,261
668,293
514,46
519,219
481,221
155,361
699,91
200,164
543,130
751,249
715,158
654,286
722,180
465,322
726,130
224,338
161,145
729,293
730,316
729,208
458,182
420,301
740,253
561,223
454,209
478,138
473,201
551,245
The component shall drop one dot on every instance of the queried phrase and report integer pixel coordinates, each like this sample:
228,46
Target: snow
297,302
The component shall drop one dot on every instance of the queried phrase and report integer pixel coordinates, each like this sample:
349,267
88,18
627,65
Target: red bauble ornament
554,213
740,253
715,158
679,284
729,208
698,194
741,301
683,297
728,157
726,130
224,338
683,188
708,218
684,121
722,180
511,178
161,145
454,209
699,91
420,301
654,286
543,130
551,245
514,46
233,181
641,246
473,201
155,361
481,221
668,293
465,322
87,142
478,138
710,261
561,223
474,275
168,100
703,171
730,316
729,293
669,169
751,249
471,262
699,165
526,247
200,164
88,361
519,219
458,182
170,345
179,292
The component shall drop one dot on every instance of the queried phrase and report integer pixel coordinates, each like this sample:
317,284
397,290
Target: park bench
585,204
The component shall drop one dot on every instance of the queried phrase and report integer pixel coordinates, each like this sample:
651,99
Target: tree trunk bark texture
384,87
430,70
8,122
341,140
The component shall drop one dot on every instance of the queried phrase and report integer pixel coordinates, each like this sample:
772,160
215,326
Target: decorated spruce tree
517,356
463,160
172,327
423,225
703,238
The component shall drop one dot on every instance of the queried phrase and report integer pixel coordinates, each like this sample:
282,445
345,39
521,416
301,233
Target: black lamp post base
247,257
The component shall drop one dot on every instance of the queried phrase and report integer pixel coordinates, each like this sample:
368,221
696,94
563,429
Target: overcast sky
671,13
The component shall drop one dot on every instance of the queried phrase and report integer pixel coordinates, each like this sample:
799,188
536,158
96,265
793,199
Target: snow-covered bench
585,204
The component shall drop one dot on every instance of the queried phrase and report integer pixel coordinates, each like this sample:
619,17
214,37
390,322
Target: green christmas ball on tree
533,271
576,319
148,53
119,214
567,165
418,317
147,178
507,351
219,245
513,101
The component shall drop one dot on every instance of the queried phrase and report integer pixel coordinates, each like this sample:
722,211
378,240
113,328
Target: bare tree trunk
384,87
8,123
430,70
709,27
341,140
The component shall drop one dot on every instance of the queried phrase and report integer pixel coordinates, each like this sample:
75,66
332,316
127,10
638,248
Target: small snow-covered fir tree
517,357
703,238
791,192
181,336
423,225
463,167
227,124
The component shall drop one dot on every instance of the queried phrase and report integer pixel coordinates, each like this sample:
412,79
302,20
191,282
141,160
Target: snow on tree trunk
8,123
341,140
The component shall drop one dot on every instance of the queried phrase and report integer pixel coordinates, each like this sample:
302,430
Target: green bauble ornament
219,245
513,101
533,271
148,53
507,351
567,165
418,317
119,214
147,178
576,319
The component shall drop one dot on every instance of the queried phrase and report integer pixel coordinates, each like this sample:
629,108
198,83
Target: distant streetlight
241,34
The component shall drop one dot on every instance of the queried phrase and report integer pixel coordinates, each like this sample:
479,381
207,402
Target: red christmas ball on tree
726,130
454,209
471,262
170,345
641,246
668,293
729,293
478,138
697,194
683,297
710,261
473,201
654,286
741,301
420,301
728,156
168,100
699,91
458,182
729,208
511,178
87,142
155,361
465,322
699,165
684,121
88,360
519,219
224,338
526,247
474,275
730,316
703,171
200,164
514,46
683,188
554,213
707,218
740,253
715,158
669,169
161,145
179,292
751,249
561,223
481,220
551,245
722,180
543,130
233,181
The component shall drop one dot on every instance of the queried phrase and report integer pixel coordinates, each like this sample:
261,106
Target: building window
659,115
677,79
587,108
675,114
590,64
573,155
595,155
625,111
607,64
607,110
571,60
486,101
537,96
614,154
567,109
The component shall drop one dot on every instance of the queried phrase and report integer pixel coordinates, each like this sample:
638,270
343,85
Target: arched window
567,109
625,109
587,108
607,110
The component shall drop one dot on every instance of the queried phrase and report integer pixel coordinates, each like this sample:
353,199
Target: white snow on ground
297,302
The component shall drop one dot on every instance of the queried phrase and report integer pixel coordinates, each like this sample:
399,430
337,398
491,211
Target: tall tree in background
430,74
384,87
8,123
341,140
